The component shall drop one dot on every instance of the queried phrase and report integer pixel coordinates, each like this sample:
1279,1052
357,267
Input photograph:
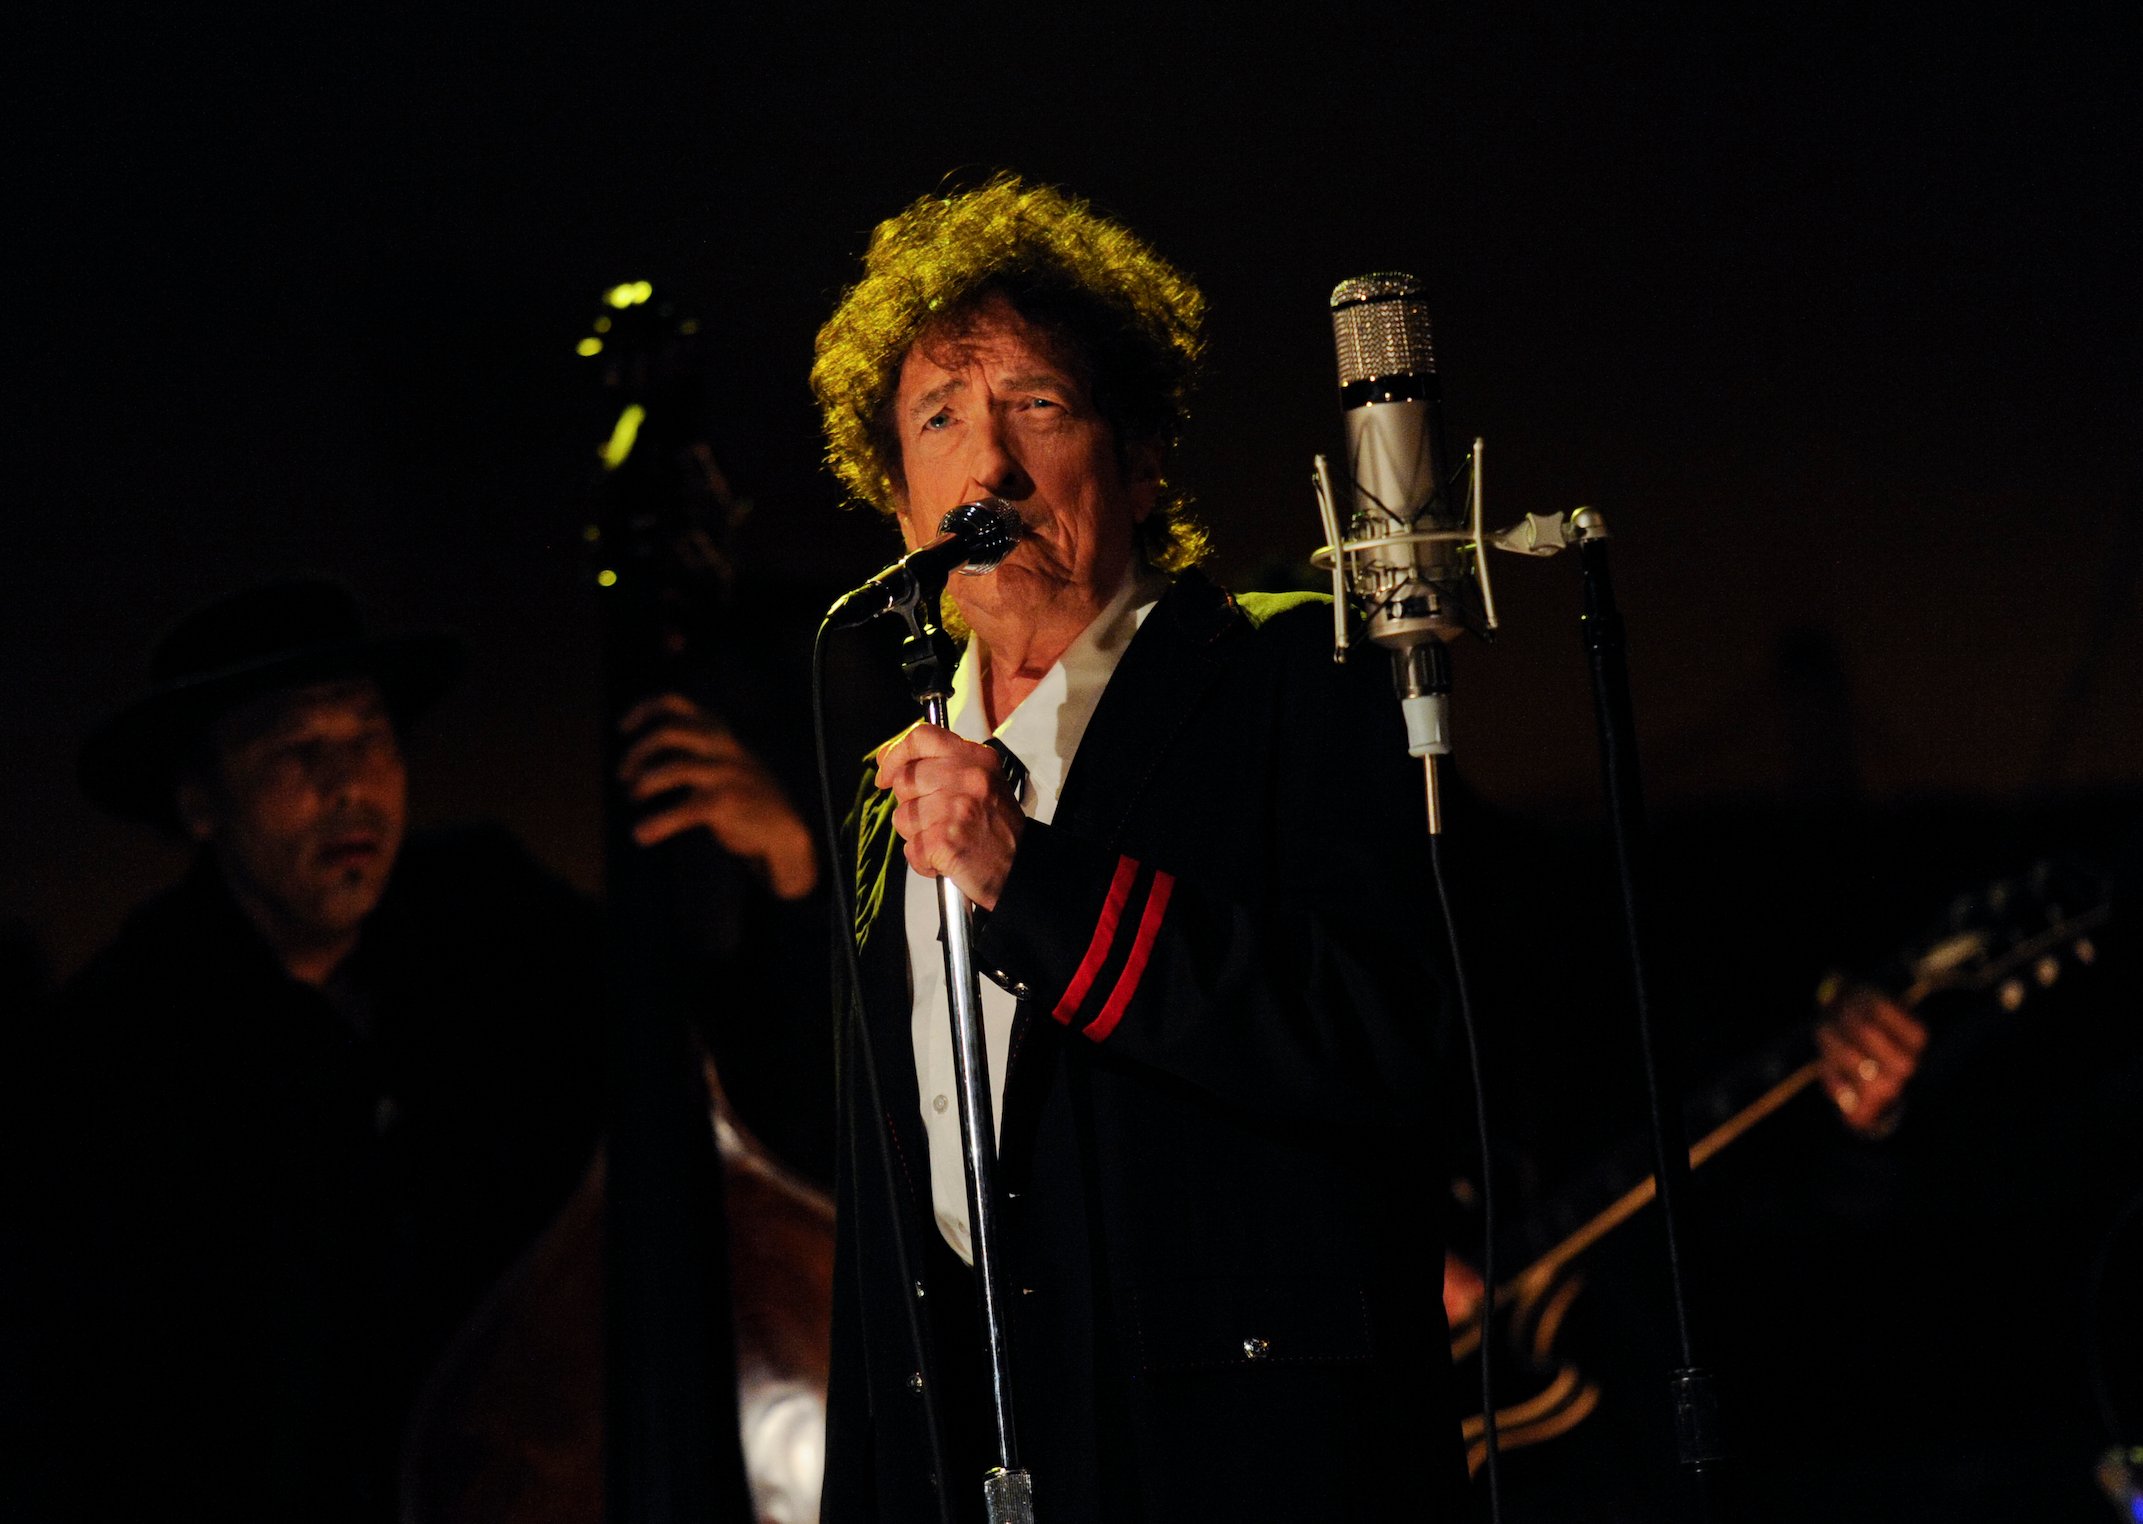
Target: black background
1832,311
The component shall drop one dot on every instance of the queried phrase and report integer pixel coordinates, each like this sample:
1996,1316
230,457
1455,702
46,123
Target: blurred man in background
313,1101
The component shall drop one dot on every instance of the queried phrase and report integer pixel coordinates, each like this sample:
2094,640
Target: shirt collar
1045,729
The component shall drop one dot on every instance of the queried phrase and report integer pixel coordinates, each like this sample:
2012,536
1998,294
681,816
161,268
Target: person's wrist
792,867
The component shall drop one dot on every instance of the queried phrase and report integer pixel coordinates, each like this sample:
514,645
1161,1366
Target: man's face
996,411
304,797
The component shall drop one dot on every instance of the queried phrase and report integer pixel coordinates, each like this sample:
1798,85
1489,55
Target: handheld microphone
1407,565
972,538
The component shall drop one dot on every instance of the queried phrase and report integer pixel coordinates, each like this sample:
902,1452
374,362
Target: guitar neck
1610,1195
1623,1204
1760,1087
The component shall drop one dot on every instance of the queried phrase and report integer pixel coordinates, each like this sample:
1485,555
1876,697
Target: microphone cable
1488,1190
845,932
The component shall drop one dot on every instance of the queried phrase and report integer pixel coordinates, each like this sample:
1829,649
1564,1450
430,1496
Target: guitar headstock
2013,936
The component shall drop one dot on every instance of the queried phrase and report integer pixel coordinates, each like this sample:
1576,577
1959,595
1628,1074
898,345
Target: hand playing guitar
1868,1047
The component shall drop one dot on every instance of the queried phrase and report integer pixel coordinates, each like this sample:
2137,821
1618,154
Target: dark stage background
1833,310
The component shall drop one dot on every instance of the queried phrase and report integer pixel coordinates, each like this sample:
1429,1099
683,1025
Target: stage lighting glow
621,438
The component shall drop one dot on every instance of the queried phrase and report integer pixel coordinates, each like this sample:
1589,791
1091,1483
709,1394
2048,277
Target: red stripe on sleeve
1097,952
1149,927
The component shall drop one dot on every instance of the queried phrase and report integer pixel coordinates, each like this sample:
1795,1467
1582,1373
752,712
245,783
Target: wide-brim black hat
285,635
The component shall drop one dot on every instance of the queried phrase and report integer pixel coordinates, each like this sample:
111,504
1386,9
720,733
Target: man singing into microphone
1199,891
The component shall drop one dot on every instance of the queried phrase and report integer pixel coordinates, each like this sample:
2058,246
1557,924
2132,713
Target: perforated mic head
988,529
1380,325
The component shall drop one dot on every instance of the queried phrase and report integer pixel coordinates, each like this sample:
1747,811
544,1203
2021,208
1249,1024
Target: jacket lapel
1150,698
1170,663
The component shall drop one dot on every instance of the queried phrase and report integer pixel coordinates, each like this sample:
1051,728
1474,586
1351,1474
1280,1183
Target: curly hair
1128,320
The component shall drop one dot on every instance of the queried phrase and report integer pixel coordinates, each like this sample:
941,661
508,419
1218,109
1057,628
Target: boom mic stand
1696,1406
927,660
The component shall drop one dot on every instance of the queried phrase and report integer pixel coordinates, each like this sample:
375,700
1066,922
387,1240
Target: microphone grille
991,526
1380,325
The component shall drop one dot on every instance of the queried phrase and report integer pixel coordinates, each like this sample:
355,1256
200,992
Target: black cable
1488,1190
845,929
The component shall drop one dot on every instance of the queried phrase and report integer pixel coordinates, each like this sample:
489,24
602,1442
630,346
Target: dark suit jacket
1221,1206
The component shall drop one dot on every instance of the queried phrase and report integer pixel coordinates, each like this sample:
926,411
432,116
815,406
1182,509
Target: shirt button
938,1104
915,1382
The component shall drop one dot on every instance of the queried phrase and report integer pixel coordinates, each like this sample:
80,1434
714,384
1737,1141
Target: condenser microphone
1395,459
1408,571
972,538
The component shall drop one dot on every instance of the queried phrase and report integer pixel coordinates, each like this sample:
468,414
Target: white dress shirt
1043,732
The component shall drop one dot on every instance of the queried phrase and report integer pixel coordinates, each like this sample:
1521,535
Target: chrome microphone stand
927,658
